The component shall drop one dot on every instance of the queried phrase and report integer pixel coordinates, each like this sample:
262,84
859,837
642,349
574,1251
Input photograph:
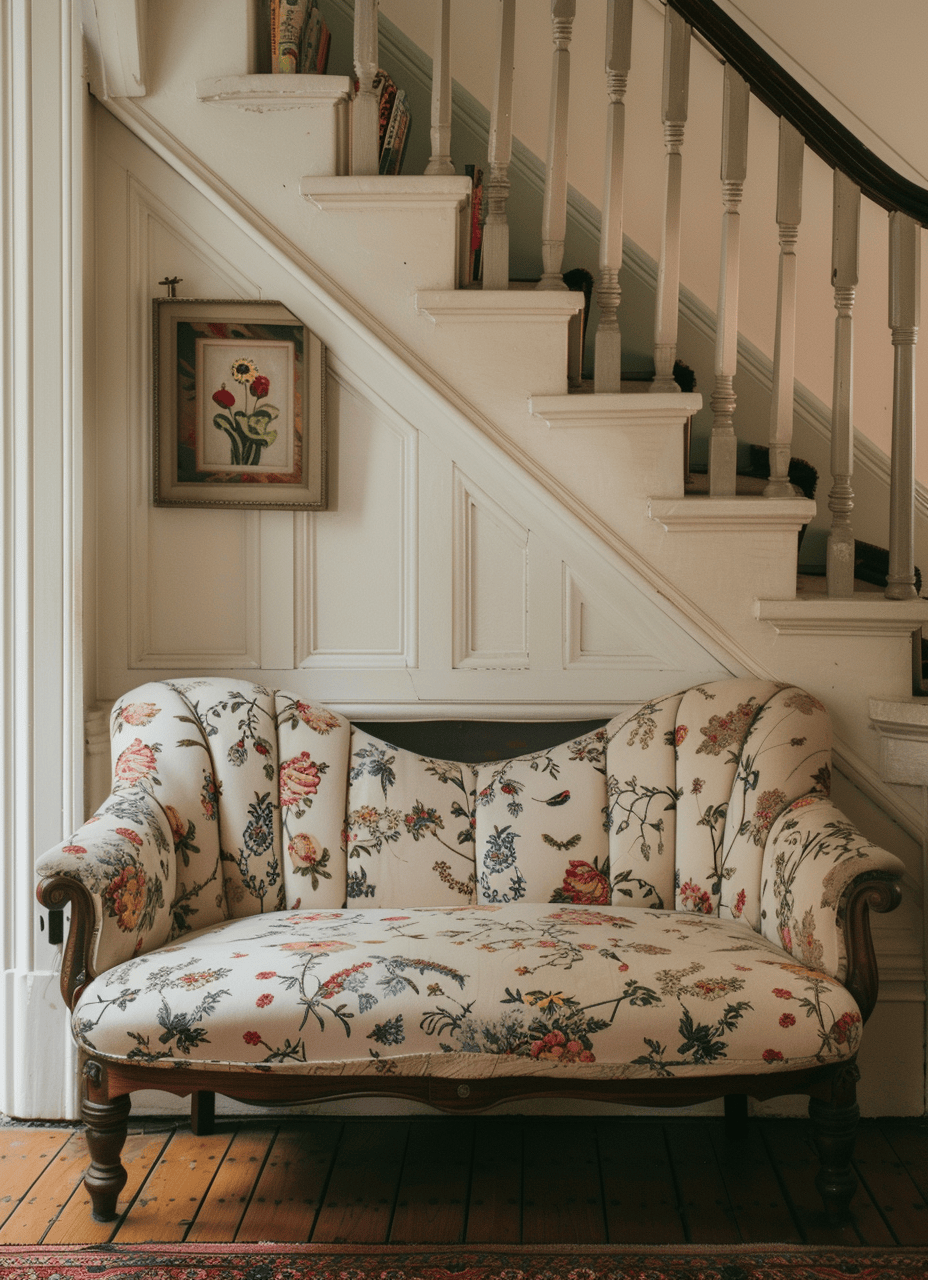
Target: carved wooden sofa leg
834,1128
202,1112
107,1124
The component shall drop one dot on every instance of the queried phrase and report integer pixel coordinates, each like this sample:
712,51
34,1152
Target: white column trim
41,487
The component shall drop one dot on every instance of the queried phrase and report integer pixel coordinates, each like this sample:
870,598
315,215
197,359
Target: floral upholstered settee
276,904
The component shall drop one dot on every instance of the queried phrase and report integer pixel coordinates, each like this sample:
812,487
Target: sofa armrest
118,871
820,879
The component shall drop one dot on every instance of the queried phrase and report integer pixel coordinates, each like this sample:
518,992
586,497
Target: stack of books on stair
300,38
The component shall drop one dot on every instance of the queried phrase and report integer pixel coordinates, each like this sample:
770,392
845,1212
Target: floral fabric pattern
314,743
409,829
537,989
813,854
399,913
124,856
641,815
541,835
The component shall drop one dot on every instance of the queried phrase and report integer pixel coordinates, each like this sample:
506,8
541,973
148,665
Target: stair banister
723,447
554,212
440,159
365,117
608,344
845,267
495,250
831,140
789,215
675,93
904,305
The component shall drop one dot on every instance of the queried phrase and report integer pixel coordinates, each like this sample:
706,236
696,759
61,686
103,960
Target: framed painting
239,406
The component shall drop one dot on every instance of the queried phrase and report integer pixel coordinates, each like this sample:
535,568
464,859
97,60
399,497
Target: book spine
476,224
292,18
309,45
394,143
387,98
325,40
274,19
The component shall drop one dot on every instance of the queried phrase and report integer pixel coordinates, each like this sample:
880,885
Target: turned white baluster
845,257
905,242
723,445
789,214
365,118
673,114
554,213
440,161
608,362
495,250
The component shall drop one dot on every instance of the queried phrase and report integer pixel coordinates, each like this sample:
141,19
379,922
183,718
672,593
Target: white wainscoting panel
194,576
357,564
490,582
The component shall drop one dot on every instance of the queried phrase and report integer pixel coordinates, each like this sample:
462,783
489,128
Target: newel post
844,275
440,160
608,362
905,242
723,446
495,256
789,213
365,118
673,113
554,213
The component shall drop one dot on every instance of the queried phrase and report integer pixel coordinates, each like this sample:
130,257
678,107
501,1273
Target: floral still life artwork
249,431
239,406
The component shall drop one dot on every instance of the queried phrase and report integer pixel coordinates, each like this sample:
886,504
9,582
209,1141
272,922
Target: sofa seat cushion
526,989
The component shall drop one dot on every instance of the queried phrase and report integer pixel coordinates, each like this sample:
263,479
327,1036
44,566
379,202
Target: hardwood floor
499,1181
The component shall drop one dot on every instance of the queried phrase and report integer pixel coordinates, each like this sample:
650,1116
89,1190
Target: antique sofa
278,905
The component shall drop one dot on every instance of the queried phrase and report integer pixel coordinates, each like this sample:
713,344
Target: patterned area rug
462,1262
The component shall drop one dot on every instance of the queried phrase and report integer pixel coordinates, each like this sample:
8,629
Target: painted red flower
782,994
787,1020
299,779
136,762
251,1037
261,386
223,397
128,834
843,1026
679,734
584,883
137,713
264,1000
772,1055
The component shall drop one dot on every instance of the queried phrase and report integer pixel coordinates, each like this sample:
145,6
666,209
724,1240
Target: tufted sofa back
274,803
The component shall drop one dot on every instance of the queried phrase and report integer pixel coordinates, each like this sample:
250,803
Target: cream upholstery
275,887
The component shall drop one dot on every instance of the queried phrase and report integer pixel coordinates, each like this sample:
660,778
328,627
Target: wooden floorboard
489,1180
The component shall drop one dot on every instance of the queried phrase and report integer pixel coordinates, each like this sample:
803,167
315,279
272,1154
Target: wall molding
308,652
145,211
471,504
41,535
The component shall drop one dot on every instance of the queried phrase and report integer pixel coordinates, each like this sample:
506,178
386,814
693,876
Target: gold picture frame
239,406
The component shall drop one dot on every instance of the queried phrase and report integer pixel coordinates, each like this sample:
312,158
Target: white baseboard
39,1077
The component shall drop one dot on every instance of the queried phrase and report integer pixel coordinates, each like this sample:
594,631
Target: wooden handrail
824,133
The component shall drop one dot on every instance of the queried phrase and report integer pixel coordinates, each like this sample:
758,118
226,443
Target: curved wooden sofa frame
107,1086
